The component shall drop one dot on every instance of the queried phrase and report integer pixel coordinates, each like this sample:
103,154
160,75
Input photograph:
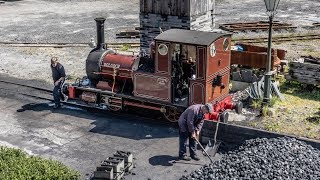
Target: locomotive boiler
185,67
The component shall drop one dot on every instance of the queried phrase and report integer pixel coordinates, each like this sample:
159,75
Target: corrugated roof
190,36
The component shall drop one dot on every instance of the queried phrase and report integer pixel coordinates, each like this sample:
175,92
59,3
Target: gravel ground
72,21
64,21
298,12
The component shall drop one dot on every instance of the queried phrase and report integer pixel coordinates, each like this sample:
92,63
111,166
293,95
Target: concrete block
103,172
117,166
254,78
246,75
128,157
239,85
236,76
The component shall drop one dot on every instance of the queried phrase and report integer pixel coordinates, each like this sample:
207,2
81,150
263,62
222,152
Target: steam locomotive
184,67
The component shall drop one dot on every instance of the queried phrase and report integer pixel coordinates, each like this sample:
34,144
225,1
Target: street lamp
271,6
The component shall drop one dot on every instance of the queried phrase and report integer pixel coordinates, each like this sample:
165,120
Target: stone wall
167,16
201,22
150,25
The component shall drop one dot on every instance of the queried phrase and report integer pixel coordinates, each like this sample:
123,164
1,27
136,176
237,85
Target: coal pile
278,158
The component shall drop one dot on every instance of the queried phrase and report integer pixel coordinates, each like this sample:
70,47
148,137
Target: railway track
65,45
231,134
136,45
46,94
280,38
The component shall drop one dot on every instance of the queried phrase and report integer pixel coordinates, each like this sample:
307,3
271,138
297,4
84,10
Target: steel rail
280,38
134,44
74,103
24,85
233,131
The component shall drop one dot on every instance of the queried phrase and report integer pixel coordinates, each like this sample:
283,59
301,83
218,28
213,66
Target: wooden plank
165,7
187,8
303,80
149,6
315,74
142,6
179,6
175,8
306,66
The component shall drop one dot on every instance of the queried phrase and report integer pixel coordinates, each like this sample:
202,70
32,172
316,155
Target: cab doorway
183,68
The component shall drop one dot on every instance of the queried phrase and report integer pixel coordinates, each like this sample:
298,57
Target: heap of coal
278,158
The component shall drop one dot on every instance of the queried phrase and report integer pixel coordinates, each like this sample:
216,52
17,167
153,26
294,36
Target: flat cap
209,107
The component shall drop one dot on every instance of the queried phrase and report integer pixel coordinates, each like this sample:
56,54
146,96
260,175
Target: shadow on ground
162,160
109,123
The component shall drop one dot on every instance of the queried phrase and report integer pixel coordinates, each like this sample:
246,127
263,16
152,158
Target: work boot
56,106
185,158
195,157
65,98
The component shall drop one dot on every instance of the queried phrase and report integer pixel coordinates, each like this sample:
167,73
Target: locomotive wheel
171,114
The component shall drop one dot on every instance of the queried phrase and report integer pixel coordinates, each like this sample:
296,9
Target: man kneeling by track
190,124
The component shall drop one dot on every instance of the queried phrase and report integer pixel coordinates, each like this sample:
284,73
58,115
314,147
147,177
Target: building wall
169,14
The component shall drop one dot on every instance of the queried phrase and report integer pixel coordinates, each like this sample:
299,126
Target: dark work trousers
183,140
57,94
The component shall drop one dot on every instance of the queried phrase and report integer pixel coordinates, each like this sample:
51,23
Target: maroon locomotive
184,68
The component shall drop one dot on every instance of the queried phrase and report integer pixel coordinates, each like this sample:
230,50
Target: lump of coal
277,158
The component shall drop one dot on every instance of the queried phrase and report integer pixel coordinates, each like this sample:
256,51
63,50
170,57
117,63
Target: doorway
183,68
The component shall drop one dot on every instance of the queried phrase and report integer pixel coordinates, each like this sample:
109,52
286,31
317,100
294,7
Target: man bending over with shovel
190,124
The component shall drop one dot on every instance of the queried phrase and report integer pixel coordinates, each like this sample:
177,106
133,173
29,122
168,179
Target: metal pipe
267,80
100,33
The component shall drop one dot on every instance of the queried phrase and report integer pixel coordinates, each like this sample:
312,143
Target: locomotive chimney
100,33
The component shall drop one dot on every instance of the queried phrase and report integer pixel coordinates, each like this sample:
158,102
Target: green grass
256,104
125,47
16,164
299,114
300,90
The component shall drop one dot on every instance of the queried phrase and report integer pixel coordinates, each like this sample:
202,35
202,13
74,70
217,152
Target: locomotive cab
198,64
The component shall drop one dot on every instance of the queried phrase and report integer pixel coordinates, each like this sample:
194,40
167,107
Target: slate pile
277,158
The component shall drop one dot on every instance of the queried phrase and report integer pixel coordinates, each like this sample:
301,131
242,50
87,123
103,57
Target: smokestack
100,33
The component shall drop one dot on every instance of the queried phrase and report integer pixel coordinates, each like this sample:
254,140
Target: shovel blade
212,148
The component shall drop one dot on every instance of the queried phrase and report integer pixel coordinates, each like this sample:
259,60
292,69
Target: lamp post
271,6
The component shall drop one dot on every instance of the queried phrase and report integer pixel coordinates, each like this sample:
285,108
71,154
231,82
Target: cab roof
190,36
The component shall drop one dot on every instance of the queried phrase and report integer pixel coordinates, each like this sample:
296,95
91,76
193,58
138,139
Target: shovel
203,149
213,147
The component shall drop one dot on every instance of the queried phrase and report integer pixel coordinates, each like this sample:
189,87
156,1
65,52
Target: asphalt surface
81,139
